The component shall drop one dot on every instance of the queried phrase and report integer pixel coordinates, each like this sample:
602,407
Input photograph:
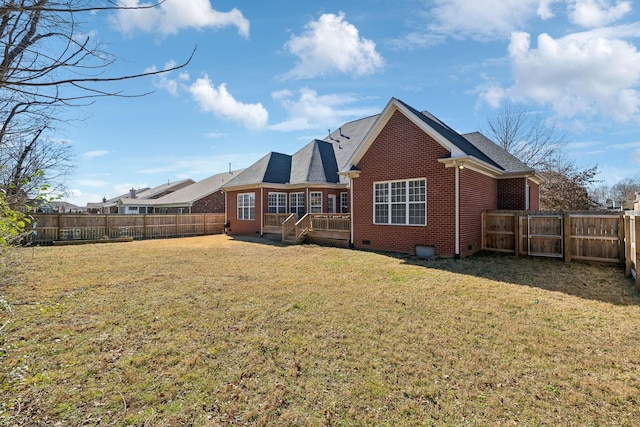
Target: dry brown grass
214,331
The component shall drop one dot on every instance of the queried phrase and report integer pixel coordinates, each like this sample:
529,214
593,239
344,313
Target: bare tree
48,64
537,142
625,191
540,144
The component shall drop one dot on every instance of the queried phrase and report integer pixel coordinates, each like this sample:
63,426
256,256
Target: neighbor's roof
153,193
196,191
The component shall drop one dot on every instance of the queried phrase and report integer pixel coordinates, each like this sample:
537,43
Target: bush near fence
48,228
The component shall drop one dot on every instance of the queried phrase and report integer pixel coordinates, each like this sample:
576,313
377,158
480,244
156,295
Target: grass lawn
212,331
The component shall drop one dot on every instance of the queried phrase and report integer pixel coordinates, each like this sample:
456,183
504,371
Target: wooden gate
544,236
579,236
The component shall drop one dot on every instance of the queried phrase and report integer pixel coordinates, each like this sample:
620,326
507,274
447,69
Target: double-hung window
277,202
315,197
247,206
400,202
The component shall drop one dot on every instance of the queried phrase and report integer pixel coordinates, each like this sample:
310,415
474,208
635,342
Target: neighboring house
60,207
204,196
181,197
133,203
406,179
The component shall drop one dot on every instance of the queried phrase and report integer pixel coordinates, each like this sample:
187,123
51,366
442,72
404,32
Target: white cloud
164,80
173,15
313,111
330,45
579,74
596,13
221,103
94,154
485,19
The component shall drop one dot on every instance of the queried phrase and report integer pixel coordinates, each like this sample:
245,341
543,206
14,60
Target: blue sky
273,75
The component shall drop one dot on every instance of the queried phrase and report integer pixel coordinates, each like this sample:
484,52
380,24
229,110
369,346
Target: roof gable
451,140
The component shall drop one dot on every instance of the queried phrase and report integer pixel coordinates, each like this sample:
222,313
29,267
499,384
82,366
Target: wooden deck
317,225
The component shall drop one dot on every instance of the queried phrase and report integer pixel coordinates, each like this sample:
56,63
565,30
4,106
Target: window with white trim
247,206
277,202
400,202
296,204
315,197
344,203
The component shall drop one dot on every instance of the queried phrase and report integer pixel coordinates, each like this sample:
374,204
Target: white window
247,206
400,202
296,204
316,202
277,203
344,203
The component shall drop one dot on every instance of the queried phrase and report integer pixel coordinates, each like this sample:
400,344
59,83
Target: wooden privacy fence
579,236
570,236
47,228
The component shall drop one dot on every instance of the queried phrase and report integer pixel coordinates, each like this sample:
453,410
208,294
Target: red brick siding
403,151
244,227
534,196
477,193
511,194
238,226
213,203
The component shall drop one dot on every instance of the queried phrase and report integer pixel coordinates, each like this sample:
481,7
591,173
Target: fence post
637,257
621,233
566,236
517,232
483,239
627,245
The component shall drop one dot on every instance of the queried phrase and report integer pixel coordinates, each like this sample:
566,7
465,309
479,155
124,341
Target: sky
273,75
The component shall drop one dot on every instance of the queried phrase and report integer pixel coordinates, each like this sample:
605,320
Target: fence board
579,236
60,227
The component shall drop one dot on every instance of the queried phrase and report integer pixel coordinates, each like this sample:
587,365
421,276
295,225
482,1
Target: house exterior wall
512,194
478,192
241,226
250,227
534,196
213,203
404,151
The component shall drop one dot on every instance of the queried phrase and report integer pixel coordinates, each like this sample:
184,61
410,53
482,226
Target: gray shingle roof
454,137
273,168
315,162
198,190
320,160
507,162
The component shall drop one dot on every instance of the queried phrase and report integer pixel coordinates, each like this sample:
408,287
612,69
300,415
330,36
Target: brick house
180,197
407,181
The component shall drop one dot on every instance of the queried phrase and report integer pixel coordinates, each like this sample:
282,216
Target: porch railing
275,219
335,226
330,222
